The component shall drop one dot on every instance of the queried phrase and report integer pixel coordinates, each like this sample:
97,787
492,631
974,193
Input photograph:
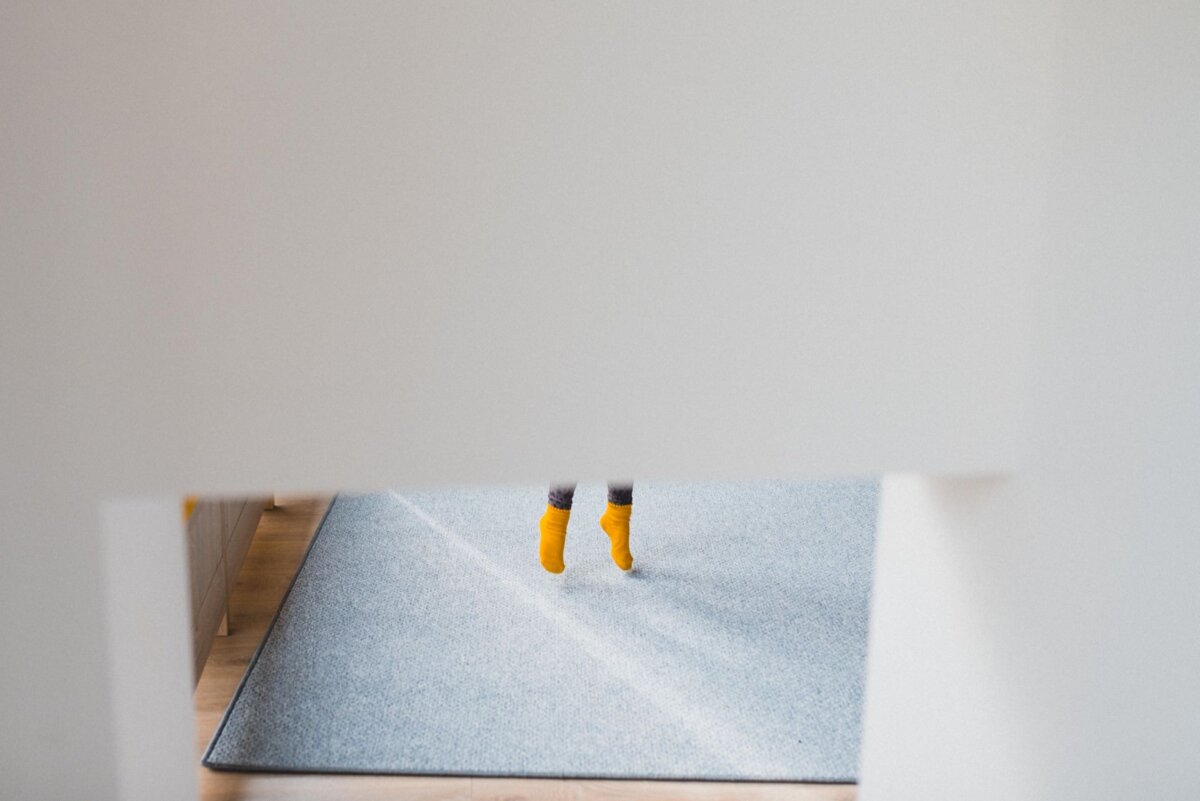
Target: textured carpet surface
422,636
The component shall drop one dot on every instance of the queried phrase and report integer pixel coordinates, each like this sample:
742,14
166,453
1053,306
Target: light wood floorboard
278,547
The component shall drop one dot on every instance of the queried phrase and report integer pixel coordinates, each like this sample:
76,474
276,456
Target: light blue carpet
422,636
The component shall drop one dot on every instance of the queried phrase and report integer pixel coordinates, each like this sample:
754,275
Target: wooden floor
274,556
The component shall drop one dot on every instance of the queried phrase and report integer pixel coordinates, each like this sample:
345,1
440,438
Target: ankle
555,517
618,513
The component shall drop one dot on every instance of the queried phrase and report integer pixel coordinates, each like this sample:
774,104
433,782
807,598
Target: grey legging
561,495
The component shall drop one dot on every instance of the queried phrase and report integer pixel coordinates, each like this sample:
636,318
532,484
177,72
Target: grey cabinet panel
219,533
205,547
240,538
233,509
207,619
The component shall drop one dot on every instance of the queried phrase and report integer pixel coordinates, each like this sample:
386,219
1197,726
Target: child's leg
561,496
620,494
615,522
553,527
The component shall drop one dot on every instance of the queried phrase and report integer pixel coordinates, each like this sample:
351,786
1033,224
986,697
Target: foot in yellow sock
554,536
615,522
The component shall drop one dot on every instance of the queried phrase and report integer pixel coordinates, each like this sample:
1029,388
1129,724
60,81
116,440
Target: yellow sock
554,537
615,522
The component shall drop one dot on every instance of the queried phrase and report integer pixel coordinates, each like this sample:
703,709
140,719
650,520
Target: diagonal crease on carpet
722,743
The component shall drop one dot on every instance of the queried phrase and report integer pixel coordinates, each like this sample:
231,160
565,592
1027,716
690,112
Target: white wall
56,716
1037,637
426,242
149,638
495,241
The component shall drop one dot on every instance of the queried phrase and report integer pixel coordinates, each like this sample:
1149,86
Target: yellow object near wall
189,505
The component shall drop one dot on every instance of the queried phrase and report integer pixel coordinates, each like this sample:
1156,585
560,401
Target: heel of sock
615,523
